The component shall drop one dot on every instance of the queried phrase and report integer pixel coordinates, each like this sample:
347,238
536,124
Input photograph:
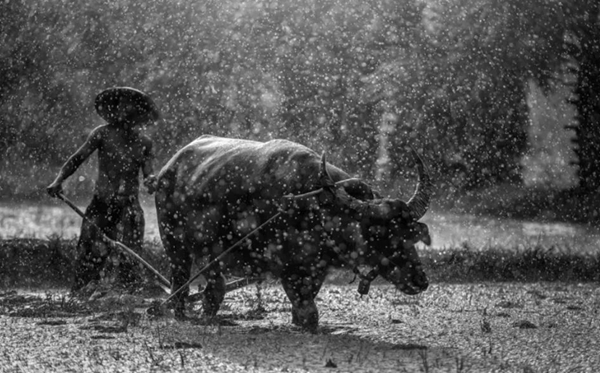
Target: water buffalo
216,190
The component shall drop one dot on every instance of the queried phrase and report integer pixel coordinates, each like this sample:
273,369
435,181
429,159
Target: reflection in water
549,229
43,221
449,230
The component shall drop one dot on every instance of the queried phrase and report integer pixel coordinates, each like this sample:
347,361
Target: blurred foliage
449,77
487,51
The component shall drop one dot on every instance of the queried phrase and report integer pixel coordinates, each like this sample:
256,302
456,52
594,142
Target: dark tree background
362,79
583,39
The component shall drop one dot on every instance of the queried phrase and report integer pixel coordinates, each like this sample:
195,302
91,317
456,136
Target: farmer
122,152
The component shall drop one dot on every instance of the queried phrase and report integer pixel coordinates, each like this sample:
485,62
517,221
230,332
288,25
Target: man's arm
74,161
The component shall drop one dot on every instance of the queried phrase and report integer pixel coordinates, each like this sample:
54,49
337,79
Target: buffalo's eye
396,241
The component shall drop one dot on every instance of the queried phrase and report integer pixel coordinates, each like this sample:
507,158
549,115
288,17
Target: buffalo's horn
417,205
324,177
419,202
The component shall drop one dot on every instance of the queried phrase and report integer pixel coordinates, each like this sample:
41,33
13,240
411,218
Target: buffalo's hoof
308,321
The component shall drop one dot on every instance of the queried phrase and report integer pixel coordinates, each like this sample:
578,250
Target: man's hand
54,189
151,182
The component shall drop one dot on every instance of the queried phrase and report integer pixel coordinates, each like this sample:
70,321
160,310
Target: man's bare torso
121,155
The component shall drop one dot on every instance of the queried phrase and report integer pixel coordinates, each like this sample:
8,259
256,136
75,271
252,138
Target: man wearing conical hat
122,153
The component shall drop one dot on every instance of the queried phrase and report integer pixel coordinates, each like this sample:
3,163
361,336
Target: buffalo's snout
420,280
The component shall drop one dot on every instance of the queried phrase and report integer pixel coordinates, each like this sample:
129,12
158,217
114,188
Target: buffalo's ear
423,233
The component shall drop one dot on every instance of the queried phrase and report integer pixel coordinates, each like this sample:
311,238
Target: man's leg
92,251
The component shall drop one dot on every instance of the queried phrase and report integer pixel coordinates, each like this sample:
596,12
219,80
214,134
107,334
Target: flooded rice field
447,229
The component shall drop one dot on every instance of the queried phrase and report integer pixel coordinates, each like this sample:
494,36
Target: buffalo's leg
214,294
301,291
181,266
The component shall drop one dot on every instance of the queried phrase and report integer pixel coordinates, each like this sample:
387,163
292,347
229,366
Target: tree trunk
587,101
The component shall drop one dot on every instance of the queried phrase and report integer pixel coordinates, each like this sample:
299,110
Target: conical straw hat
107,104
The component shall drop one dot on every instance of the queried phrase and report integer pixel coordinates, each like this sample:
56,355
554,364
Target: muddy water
447,229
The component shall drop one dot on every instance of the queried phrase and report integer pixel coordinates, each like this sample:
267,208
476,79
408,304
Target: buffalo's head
395,256
390,229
